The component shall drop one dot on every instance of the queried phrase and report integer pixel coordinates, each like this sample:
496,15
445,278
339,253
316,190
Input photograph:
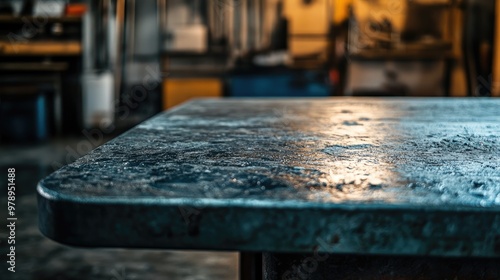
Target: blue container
23,118
288,84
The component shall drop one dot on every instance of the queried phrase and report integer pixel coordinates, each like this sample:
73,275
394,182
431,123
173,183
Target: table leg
250,266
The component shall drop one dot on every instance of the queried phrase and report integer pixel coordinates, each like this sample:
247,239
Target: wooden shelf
33,48
34,66
401,54
21,19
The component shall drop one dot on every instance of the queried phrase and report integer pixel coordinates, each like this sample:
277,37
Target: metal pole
250,266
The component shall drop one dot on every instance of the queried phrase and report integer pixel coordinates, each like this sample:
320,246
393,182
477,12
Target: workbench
299,186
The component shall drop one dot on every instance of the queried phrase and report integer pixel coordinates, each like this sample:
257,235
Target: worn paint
391,176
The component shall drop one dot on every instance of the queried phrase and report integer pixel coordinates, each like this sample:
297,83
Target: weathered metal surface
373,176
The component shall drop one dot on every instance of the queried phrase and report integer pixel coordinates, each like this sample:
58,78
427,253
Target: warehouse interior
74,74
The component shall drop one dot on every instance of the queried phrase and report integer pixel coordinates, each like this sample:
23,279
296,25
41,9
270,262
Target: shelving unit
402,40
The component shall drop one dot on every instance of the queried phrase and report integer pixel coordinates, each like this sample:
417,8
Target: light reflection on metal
353,162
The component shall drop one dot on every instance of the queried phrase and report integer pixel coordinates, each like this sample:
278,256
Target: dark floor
38,257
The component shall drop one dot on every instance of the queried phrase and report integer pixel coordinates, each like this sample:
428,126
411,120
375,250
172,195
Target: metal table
383,180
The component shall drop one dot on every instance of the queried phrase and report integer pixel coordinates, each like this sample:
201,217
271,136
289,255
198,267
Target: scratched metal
340,175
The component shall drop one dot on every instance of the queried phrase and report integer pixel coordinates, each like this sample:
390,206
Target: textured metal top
381,176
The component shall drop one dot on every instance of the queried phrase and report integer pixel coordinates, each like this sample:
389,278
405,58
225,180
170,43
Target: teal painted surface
377,176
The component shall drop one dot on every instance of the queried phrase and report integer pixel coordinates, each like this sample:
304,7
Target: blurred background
76,73
68,65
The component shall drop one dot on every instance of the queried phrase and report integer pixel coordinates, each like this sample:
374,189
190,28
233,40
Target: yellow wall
306,18
177,91
340,10
312,19
496,60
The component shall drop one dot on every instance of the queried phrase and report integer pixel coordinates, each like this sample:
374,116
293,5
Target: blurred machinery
388,48
142,57
401,47
420,47
245,48
125,60
121,79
